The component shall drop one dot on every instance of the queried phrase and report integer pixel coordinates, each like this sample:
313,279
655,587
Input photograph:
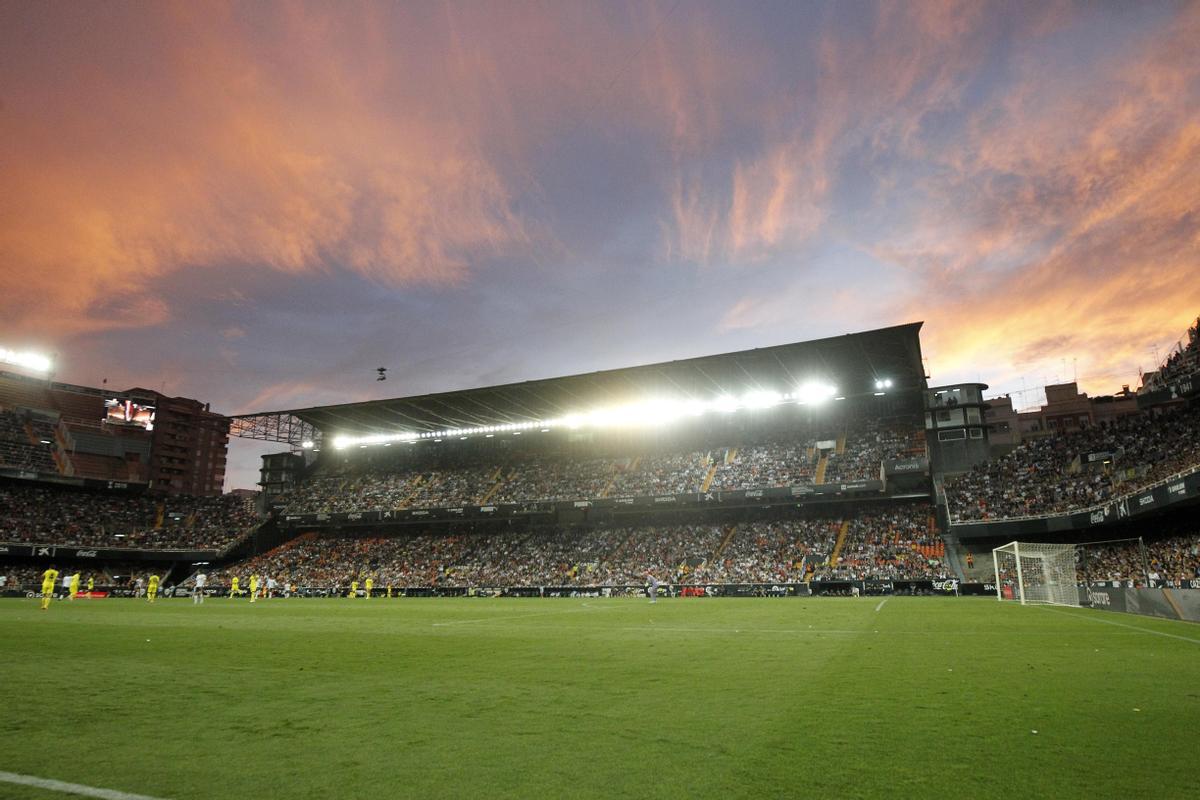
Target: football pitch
301,698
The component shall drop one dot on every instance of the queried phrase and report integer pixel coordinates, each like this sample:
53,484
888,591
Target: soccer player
74,585
198,592
152,589
91,583
389,591
233,587
253,588
353,589
270,588
49,578
653,589
369,585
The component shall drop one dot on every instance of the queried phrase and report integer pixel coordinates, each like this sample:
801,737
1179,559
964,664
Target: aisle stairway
843,529
416,487
498,482
729,534
822,465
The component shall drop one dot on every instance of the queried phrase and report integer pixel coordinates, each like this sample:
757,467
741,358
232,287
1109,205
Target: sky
257,204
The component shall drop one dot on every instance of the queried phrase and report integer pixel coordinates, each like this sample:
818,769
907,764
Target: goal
1036,573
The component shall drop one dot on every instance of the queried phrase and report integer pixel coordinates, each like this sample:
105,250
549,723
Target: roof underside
852,362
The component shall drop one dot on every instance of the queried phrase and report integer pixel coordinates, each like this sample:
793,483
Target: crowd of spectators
1053,474
408,482
1172,559
766,465
1181,363
897,544
16,447
889,545
51,515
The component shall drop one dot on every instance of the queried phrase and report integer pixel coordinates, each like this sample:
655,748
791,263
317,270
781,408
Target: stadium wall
1181,604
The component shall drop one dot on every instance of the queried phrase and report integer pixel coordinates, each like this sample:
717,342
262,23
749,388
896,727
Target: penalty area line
881,602
1121,625
71,788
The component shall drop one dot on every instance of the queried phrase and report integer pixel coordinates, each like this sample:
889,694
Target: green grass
572,698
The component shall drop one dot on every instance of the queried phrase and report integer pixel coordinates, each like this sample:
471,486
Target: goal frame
1034,549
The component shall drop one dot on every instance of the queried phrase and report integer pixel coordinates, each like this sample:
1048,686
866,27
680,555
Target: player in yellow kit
369,585
91,584
74,585
48,579
353,589
152,588
253,588
233,587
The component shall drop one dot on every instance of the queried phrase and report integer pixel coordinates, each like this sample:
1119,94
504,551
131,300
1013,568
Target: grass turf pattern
299,698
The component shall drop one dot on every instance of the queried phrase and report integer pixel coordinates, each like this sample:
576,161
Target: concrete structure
1066,410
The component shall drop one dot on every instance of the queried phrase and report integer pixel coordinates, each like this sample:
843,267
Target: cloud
230,147
1078,204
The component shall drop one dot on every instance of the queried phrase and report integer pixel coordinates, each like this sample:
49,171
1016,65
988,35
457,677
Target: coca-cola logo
85,553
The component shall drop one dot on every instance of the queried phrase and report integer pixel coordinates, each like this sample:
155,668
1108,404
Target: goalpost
1040,573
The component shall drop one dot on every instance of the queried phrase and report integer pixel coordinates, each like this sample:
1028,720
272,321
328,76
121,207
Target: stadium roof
852,363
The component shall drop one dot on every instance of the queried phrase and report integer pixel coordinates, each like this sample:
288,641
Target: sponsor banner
43,551
906,466
1178,389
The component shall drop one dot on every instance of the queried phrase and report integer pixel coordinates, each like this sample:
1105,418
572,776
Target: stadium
732,573
645,399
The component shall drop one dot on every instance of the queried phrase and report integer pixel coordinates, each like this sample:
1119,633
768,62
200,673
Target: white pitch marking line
881,602
1121,624
71,788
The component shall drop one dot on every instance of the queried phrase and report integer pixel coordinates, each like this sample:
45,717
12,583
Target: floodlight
30,361
725,404
814,392
761,399
308,444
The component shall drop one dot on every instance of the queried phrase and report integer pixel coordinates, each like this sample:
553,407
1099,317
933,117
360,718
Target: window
976,433
950,436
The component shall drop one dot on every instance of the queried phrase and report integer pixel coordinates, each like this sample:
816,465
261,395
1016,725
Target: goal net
1036,573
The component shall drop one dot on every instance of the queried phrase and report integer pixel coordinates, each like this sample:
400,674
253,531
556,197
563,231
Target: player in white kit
653,588
270,588
198,592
